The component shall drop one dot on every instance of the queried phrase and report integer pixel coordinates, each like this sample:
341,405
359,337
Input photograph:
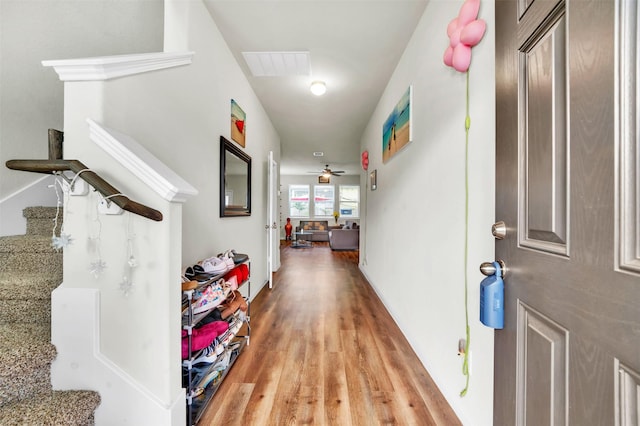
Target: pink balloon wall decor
464,32
365,160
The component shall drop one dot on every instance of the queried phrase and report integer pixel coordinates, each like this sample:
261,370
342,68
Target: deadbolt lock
499,230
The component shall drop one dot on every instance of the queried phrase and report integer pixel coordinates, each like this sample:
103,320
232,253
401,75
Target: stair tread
40,212
53,408
24,345
26,243
28,285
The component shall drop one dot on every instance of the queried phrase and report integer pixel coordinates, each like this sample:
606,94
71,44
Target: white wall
204,108
31,97
413,227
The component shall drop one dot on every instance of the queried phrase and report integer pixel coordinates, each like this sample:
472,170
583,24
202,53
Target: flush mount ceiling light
318,154
318,88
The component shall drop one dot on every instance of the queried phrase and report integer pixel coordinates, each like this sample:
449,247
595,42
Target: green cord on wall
467,125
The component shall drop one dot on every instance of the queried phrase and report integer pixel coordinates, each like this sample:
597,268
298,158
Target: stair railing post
56,138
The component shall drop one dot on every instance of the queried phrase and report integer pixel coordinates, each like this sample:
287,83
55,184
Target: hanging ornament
61,242
132,261
126,286
97,267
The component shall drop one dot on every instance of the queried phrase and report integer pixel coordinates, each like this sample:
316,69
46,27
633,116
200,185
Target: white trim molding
141,163
627,145
108,67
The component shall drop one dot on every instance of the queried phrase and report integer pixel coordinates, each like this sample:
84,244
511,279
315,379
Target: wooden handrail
92,178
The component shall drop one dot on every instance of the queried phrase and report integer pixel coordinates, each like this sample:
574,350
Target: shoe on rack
224,361
228,259
234,302
189,285
212,316
204,336
214,265
206,381
232,282
226,288
219,347
189,272
237,327
211,297
225,338
208,355
208,268
239,257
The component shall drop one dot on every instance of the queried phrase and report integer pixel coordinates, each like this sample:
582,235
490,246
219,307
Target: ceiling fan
326,172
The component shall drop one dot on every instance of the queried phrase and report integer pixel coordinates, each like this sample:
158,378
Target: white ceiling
354,46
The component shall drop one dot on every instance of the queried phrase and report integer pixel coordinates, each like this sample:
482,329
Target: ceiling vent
318,154
277,64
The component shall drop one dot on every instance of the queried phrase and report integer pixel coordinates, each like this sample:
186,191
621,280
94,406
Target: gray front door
568,173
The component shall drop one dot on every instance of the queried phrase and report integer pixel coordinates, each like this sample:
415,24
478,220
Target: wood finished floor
324,351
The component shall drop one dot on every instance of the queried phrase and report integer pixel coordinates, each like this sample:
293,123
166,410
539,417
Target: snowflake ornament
97,268
126,286
64,240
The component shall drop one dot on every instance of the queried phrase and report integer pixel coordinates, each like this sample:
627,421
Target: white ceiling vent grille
277,64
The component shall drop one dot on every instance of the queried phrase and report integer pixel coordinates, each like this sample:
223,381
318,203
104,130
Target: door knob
266,227
274,226
488,268
499,230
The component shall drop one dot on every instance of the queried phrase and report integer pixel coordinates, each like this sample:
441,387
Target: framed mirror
235,180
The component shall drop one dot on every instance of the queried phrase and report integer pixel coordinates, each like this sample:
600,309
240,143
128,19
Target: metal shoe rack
198,401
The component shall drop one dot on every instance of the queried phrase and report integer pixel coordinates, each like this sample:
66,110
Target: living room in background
299,200
323,200
349,204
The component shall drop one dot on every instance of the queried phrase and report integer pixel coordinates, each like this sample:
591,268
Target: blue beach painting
396,130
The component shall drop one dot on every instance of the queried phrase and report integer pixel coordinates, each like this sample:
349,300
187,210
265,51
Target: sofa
347,238
319,230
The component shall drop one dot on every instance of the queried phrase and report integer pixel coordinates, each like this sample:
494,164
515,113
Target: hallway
325,351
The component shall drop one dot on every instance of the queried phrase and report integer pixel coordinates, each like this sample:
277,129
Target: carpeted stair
29,270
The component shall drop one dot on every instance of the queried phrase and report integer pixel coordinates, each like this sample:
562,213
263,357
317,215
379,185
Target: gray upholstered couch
345,239
318,229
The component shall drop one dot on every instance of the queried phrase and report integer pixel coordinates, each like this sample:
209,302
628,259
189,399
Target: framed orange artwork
238,124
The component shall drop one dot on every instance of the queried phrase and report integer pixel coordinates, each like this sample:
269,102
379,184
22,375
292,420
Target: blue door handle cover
492,299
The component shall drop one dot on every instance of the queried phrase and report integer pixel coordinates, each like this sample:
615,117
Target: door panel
567,173
628,395
542,367
543,110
